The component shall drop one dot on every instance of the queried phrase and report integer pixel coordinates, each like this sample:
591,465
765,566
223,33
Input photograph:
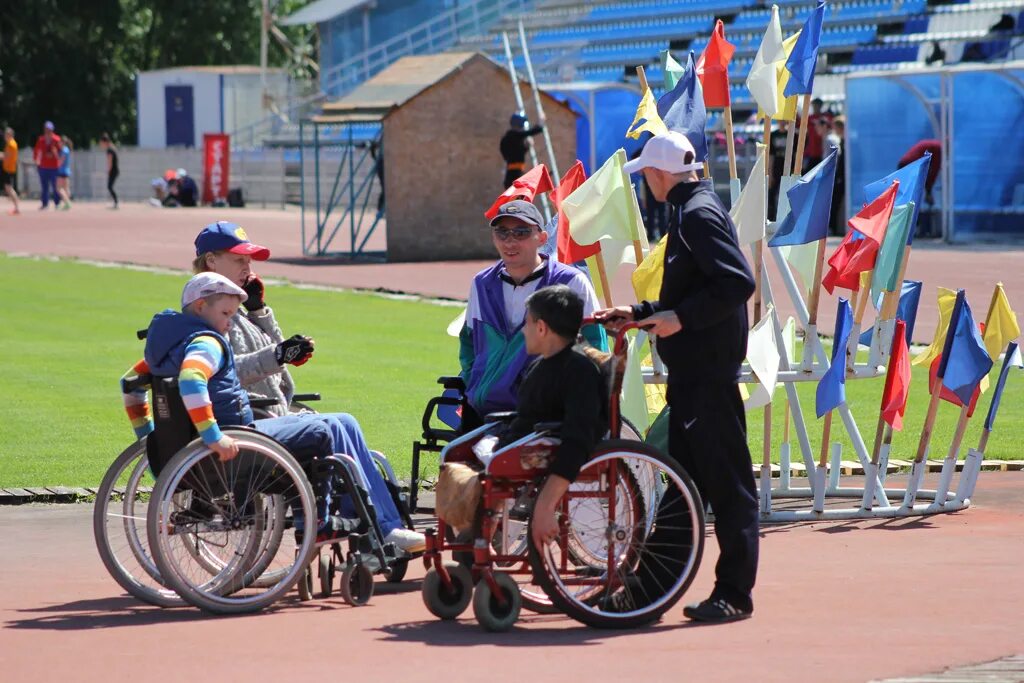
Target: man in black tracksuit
701,323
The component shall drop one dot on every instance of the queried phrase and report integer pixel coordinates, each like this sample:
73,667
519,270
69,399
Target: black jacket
707,283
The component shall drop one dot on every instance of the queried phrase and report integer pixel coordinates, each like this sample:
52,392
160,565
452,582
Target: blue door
180,120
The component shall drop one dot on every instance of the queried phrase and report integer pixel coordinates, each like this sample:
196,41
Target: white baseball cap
665,152
207,284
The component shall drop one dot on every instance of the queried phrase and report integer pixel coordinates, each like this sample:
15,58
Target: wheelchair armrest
547,427
141,334
306,397
428,413
262,402
143,380
456,383
506,416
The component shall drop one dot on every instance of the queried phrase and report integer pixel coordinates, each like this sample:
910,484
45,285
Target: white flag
749,211
762,80
763,356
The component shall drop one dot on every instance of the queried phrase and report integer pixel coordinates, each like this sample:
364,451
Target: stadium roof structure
401,82
323,10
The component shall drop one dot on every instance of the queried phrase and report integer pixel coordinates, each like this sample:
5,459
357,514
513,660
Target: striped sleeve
136,399
203,357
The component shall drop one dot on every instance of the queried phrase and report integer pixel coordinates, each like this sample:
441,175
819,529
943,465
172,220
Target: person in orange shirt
9,169
47,157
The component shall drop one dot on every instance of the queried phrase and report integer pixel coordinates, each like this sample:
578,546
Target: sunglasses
518,234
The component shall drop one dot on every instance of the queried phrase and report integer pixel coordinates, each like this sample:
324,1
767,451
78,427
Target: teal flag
671,70
885,277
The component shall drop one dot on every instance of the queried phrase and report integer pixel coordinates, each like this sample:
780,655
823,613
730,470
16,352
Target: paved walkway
163,237
835,602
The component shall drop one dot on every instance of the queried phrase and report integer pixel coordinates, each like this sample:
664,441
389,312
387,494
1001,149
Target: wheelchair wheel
231,509
119,527
357,584
446,603
326,572
636,563
494,614
395,572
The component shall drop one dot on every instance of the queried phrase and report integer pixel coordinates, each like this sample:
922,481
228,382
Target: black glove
295,350
254,288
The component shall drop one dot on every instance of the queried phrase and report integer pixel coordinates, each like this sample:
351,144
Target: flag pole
860,304
883,435
730,143
949,464
812,308
798,163
819,475
552,162
638,251
788,164
886,319
758,245
519,103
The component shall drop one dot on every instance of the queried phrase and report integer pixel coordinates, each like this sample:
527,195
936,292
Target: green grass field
67,331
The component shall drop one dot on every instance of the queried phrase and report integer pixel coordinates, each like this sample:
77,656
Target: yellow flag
947,298
1001,327
648,113
647,276
785,109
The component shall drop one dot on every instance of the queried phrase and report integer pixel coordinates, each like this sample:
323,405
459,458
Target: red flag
858,250
713,68
947,393
527,186
897,379
568,250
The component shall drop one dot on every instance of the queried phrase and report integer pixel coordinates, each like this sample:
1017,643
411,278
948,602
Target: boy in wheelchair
192,346
564,387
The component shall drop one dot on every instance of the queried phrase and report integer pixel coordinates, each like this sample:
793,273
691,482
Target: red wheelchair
631,529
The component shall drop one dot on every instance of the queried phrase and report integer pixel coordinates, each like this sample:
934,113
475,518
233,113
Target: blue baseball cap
224,236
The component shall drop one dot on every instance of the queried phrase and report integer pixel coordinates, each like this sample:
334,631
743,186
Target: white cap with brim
665,152
207,284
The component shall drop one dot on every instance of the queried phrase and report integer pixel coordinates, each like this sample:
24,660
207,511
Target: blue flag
912,181
804,56
832,387
682,110
1012,359
810,205
965,360
910,297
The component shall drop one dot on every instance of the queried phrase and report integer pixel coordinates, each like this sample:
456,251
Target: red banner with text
216,166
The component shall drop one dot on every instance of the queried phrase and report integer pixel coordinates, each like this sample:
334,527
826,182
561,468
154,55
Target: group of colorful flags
599,222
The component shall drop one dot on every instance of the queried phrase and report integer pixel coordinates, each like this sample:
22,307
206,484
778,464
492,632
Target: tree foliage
75,61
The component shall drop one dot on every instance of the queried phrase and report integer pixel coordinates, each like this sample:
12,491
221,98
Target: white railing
436,34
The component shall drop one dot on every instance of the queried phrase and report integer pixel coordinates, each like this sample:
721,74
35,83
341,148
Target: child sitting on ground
192,346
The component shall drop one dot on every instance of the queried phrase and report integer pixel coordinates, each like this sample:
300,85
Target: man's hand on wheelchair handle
295,350
226,449
544,522
614,318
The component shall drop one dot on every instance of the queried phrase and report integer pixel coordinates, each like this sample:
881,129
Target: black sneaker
715,611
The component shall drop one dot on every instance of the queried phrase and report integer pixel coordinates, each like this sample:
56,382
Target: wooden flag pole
787,164
798,163
730,143
929,422
643,80
949,464
758,245
602,274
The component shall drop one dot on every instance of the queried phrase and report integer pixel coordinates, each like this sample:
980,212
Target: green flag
671,70
890,256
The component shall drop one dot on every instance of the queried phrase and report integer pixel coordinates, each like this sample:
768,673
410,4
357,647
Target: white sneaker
406,539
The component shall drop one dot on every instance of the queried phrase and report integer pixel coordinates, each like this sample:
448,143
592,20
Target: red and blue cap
224,236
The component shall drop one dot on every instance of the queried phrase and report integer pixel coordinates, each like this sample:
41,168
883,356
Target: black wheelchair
221,542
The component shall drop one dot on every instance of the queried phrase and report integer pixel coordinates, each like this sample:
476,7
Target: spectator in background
377,152
46,154
9,169
813,149
161,188
777,154
514,145
188,191
919,149
64,172
113,170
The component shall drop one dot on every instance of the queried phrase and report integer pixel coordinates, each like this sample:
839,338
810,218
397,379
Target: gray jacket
254,336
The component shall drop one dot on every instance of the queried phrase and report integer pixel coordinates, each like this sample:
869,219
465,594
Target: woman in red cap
262,352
